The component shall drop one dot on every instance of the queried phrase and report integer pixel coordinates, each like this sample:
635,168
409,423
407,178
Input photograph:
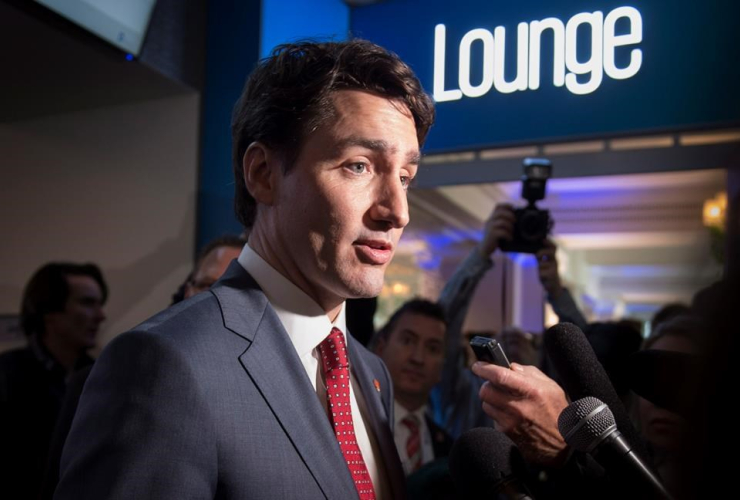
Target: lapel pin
376,384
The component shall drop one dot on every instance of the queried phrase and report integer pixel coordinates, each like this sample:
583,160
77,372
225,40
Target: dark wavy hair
48,290
416,305
289,95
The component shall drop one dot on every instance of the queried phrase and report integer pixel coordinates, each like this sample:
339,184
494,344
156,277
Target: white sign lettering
582,77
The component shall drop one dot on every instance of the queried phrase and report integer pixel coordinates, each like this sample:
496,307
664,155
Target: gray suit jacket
208,399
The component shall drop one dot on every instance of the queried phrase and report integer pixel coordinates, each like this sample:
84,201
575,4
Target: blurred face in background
662,428
77,326
211,268
518,346
414,354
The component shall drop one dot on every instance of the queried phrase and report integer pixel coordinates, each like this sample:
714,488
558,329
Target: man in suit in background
210,265
254,389
412,345
61,314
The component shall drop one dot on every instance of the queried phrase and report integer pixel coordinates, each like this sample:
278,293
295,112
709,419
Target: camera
532,225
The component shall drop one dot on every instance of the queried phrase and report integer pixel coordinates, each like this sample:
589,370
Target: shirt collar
43,356
305,321
399,413
49,362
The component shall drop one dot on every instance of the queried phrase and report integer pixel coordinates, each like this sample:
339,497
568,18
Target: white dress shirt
402,433
307,326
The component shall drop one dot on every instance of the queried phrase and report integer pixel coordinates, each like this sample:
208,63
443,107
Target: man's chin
412,387
90,343
410,392
369,285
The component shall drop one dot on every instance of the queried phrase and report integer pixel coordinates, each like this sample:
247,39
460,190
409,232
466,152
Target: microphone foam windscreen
479,460
582,375
575,362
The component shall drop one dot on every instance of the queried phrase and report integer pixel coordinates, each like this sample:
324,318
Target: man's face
214,264
78,324
341,208
414,354
663,428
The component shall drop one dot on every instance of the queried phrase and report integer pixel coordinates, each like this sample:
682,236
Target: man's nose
391,205
417,354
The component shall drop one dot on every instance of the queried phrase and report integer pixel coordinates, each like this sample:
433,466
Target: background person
412,346
455,402
665,431
61,314
212,262
210,265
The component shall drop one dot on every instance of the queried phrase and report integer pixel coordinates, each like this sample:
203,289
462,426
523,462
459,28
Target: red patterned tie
413,443
336,373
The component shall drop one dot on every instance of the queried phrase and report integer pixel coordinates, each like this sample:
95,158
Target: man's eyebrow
409,331
378,145
413,157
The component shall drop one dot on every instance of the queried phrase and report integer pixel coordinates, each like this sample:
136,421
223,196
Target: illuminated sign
603,43
540,71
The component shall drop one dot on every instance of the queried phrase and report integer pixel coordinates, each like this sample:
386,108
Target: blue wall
239,33
232,49
290,20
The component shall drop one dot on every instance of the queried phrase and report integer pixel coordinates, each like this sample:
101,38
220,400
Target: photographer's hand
499,226
548,268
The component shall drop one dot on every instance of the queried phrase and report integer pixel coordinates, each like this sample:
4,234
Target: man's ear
380,347
261,169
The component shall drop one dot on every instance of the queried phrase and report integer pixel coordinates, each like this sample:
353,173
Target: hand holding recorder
523,401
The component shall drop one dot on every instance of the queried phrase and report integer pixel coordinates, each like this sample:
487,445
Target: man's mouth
376,252
413,374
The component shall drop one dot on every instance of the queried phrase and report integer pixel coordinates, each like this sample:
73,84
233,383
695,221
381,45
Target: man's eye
406,181
357,168
434,349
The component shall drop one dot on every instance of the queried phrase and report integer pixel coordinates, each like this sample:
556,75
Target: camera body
532,224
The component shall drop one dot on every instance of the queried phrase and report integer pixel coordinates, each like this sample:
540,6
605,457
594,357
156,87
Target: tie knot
411,421
333,350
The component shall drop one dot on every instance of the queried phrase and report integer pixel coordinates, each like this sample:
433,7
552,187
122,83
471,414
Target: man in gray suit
254,389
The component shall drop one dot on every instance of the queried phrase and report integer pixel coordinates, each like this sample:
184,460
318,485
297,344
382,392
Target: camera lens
533,225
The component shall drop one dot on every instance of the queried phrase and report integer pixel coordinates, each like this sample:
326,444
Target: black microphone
588,425
482,462
582,375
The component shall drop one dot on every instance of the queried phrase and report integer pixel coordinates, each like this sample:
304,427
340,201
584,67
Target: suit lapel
272,364
441,441
379,419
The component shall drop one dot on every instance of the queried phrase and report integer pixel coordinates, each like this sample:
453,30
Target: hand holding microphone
526,404
582,375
